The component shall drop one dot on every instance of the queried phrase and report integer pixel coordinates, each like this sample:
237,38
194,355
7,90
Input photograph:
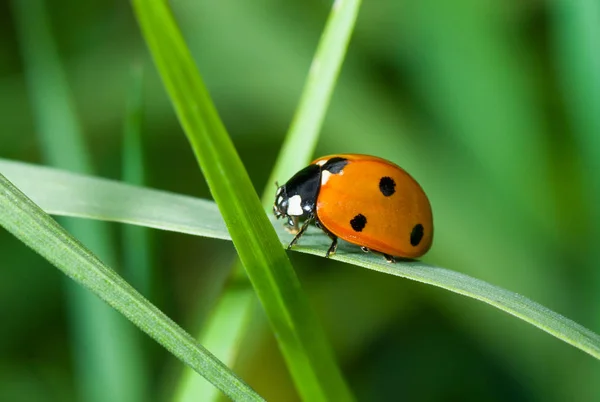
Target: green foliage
493,107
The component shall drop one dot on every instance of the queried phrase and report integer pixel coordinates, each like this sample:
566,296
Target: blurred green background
493,106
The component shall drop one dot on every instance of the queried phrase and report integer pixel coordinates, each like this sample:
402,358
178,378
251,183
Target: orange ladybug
365,200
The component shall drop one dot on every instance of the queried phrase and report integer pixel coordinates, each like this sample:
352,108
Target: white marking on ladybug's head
279,190
294,206
321,163
325,175
279,199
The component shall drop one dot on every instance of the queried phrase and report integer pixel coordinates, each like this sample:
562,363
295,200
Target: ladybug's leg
389,258
333,246
302,230
334,241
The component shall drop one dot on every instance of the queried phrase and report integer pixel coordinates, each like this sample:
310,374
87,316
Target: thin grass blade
301,139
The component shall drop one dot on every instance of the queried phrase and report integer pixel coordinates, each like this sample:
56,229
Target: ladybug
365,200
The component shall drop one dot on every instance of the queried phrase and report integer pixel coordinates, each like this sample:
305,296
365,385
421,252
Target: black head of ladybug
298,197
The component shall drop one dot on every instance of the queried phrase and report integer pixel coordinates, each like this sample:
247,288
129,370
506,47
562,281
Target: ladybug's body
362,199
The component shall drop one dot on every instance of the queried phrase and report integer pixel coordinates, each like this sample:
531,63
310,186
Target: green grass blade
301,139
296,153
136,243
115,201
301,338
25,220
69,194
106,367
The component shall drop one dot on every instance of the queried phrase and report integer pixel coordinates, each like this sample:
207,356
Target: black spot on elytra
335,165
358,223
416,235
387,186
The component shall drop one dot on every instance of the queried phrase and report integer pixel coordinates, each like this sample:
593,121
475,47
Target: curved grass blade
300,337
115,201
63,193
25,220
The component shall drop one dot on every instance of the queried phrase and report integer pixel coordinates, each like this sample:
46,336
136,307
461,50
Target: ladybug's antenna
276,184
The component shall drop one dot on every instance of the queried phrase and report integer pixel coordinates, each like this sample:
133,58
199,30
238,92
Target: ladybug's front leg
333,247
302,230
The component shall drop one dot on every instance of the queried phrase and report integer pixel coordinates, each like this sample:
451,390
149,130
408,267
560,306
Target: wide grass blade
64,193
301,338
24,219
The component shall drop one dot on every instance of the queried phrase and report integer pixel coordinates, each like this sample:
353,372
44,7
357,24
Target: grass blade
69,194
301,339
25,220
301,139
113,201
